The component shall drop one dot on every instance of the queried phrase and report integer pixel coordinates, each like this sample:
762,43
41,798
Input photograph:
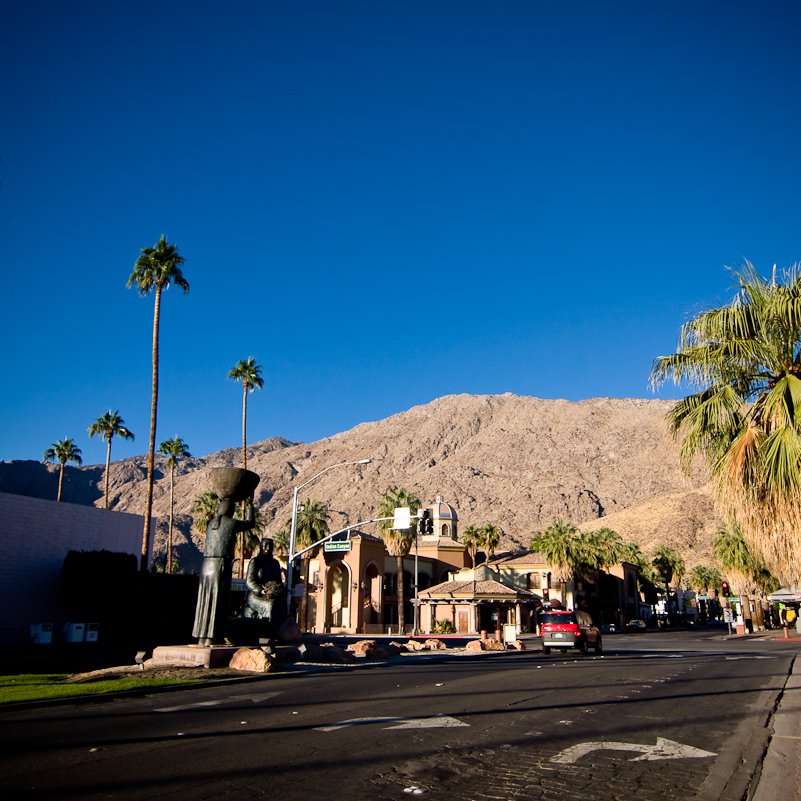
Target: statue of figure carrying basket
233,485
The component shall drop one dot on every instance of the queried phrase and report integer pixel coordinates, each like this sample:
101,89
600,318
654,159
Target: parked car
635,625
562,629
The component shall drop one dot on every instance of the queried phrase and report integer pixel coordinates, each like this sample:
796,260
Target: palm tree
670,566
248,540
107,426
204,508
311,526
471,537
63,451
595,551
490,537
734,556
398,542
700,579
746,359
281,542
249,373
556,545
156,268
174,449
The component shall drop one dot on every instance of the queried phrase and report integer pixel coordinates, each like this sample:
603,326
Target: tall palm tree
557,545
63,451
670,566
174,449
398,543
107,426
249,373
155,269
595,551
204,508
471,537
700,578
490,537
744,421
311,526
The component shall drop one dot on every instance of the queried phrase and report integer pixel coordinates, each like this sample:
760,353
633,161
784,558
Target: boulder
518,645
435,645
494,645
289,632
362,647
327,653
476,645
253,660
416,645
393,649
402,648
376,654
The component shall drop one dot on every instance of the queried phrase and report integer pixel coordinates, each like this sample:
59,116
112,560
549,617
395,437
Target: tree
734,555
155,269
63,451
248,540
311,526
700,578
204,508
556,545
745,420
594,551
490,537
107,426
249,373
398,543
471,537
669,565
281,542
174,449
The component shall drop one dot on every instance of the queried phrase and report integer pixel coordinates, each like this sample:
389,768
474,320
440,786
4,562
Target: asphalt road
665,716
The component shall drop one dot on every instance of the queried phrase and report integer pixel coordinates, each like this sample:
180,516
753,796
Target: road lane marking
438,722
256,699
664,749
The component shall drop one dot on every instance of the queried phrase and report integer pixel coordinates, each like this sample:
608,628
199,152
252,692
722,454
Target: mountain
517,462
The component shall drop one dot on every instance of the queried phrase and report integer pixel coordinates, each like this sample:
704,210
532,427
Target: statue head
267,545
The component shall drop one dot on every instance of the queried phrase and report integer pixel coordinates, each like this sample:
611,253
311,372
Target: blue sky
382,202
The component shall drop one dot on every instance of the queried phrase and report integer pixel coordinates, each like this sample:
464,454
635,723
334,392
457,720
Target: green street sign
337,546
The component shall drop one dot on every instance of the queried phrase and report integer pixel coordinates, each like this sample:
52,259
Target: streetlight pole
294,526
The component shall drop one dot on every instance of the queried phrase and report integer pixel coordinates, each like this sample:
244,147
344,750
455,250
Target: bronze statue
266,588
211,613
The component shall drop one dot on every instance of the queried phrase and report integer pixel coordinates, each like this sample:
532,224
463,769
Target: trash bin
90,635
42,633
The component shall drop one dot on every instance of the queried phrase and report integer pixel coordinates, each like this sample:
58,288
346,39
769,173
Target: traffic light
426,523
725,588
546,594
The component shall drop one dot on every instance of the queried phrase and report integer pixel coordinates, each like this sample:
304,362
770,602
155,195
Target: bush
443,627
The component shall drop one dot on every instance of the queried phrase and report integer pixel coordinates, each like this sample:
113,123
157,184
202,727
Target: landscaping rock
376,654
416,645
362,647
476,645
435,645
518,645
253,660
494,645
327,653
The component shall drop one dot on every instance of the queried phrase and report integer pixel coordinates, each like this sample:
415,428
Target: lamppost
293,528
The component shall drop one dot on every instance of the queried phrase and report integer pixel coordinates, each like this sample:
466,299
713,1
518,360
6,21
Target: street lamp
293,528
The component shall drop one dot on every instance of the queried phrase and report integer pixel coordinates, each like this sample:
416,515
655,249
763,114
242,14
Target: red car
563,629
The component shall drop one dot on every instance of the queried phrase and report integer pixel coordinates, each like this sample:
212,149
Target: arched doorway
338,596
372,606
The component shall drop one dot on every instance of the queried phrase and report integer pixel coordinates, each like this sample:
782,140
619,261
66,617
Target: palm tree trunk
244,429
60,479
242,547
401,617
169,533
108,462
152,450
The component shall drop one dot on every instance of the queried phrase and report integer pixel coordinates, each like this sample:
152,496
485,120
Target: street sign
337,546
403,518
728,615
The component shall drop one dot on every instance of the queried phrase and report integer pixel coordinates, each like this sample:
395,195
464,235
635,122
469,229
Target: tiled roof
489,587
518,558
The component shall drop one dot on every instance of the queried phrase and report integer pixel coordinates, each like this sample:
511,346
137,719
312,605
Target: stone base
210,656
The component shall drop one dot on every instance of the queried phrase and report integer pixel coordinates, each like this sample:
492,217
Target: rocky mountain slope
517,462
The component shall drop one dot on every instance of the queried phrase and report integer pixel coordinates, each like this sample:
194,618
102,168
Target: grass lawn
41,686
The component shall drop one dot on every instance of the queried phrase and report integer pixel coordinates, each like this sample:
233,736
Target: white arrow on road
664,749
255,699
439,722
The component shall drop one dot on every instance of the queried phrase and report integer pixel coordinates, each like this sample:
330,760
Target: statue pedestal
210,656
